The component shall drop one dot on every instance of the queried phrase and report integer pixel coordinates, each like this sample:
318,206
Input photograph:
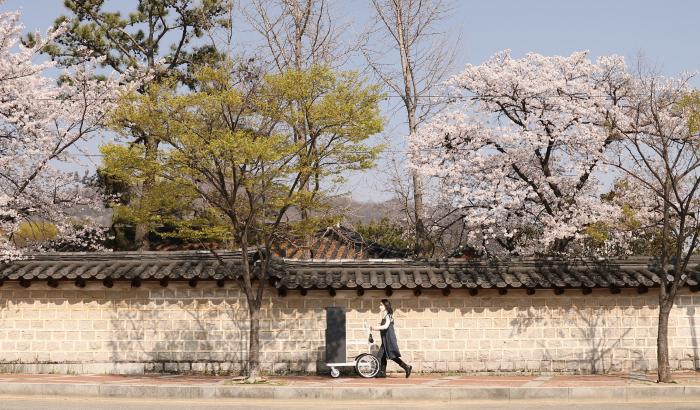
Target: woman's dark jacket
390,346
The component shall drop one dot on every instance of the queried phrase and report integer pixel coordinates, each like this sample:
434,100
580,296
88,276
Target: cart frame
366,364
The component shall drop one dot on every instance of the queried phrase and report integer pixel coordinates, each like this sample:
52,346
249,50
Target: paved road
79,403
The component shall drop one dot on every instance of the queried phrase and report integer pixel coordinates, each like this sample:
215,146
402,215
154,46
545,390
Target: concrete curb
559,394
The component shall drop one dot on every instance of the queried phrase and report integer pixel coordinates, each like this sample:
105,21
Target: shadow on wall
693,335
606,339
178,330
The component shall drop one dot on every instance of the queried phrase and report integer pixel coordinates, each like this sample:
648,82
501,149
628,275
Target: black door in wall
335,335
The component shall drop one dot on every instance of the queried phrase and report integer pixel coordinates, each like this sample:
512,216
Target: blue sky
666,34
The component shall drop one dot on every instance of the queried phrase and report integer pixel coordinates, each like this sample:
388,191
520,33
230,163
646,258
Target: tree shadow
204,335
606,339
690,310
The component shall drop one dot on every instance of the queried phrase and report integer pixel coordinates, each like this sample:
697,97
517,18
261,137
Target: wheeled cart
365,364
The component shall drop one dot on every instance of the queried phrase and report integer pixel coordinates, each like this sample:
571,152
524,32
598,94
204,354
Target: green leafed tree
156,40
629,234
229,148
386,234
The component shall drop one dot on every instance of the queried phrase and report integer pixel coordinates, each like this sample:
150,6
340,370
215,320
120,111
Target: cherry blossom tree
658,155
518,149
43,124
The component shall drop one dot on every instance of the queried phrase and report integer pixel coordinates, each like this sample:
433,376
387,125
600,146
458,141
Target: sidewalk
628,387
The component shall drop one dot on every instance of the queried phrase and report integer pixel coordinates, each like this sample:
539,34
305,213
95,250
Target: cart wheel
367,365
335,372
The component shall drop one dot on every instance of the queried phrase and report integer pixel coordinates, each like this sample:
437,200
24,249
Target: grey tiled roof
339,274
121,266
637,272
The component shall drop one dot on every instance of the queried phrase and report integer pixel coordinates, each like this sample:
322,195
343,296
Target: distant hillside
363,212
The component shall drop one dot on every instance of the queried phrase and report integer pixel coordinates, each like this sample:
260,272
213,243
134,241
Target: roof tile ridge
127,256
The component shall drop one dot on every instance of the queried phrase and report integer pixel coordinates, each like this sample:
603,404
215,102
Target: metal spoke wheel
367,365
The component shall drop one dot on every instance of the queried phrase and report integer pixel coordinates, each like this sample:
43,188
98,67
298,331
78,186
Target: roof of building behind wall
334,242
345,274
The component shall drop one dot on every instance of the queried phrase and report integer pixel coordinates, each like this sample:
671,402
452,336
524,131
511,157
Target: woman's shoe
408,371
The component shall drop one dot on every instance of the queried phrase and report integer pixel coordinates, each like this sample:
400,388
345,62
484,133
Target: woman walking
390,347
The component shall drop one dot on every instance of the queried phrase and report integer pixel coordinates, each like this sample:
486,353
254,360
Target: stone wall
204,329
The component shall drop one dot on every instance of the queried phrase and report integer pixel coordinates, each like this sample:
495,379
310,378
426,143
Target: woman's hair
388,307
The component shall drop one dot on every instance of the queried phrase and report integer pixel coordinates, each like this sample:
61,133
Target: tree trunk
141,231
421,234
254,344
411,103
664,369
141,237
665,300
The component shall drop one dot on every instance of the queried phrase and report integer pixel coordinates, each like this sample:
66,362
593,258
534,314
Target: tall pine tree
160,39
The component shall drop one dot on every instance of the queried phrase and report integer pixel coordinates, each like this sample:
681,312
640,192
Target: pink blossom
519,148
44,124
